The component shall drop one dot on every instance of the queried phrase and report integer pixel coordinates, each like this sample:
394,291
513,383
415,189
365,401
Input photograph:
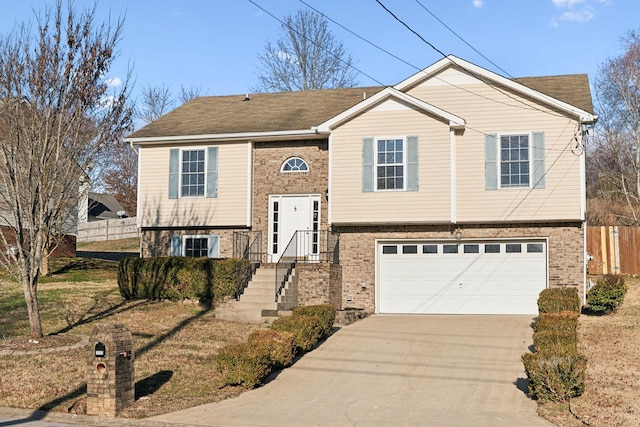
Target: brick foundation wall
357,252
319,283
268,158
157,242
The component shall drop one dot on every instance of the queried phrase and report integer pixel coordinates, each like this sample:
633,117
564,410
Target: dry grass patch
175,344
612,345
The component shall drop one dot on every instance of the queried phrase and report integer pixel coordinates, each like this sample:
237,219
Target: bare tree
56,113
120,176
188,93
615,162
155,101
307,56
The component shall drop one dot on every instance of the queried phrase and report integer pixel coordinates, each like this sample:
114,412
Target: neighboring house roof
103,206
300,113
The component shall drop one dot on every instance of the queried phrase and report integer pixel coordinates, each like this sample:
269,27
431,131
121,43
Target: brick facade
268,158
357,252
156,242
319,284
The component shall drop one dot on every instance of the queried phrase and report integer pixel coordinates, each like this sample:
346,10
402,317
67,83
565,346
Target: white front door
289,214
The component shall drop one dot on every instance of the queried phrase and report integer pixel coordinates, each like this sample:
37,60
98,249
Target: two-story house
455,191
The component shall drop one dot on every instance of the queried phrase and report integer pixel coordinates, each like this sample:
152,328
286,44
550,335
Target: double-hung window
192,175
193,172
195,246
390,163
514,160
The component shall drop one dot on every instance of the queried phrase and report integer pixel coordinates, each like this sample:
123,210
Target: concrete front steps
257,303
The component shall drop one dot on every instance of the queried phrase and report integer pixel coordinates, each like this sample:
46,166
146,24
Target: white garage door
461,277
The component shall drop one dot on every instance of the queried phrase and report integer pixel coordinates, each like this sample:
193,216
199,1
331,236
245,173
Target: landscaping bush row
607,294
249,363
556,369
177,278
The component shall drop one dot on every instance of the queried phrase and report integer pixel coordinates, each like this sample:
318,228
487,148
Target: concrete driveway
394,371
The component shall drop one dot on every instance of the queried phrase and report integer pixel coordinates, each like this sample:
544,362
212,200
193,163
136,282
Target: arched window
295,164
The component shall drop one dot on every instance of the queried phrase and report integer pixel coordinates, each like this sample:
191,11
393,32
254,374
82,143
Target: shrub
243,364
555,376
279,345
326,312
607,295
307,330
555,341
561,322
554,300
175,278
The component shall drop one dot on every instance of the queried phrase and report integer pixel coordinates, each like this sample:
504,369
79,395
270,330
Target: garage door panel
462,283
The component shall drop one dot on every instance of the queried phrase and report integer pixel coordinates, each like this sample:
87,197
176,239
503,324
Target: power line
463,40
318,45
360,37
411,29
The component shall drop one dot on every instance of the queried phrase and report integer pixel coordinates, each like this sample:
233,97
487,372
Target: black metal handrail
247,245
306,246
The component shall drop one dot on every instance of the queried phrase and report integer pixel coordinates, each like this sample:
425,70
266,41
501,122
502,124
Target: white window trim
499,157
180,163
183,246
294,171
375,163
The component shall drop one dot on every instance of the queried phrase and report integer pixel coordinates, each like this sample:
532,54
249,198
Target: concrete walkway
394,371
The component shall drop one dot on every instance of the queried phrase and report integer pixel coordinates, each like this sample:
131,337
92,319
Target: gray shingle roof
283,111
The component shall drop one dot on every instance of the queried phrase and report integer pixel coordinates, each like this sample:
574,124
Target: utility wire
463,40
412,30
317,44
360,37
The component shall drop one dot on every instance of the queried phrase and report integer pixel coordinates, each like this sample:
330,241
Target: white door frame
311,223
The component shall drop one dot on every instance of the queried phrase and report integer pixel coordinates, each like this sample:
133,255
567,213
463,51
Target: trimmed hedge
556,370
280,345
307,330
555,376
607,294
176,278
243,364
553,300
326,312
249,363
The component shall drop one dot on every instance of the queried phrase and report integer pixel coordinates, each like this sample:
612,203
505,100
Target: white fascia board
254,136
454,121
584,116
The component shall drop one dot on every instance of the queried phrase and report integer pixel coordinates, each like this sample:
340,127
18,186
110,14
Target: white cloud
114,82
580,16
478,3
567,3
576,11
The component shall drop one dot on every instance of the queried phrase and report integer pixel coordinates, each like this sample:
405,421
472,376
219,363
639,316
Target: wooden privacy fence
111,229
613,250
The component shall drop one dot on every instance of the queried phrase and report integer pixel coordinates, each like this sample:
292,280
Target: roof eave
312,133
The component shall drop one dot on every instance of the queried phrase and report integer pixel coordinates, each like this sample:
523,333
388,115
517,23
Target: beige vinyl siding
492,111
228,209
391,119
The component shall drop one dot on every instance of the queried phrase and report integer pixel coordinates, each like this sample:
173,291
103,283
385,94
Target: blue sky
214,44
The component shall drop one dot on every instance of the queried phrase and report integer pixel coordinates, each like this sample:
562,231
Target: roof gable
570,93
384,95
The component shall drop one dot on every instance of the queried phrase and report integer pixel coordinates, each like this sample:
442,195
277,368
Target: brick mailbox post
110,374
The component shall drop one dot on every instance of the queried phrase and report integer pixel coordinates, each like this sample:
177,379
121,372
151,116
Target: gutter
254,136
